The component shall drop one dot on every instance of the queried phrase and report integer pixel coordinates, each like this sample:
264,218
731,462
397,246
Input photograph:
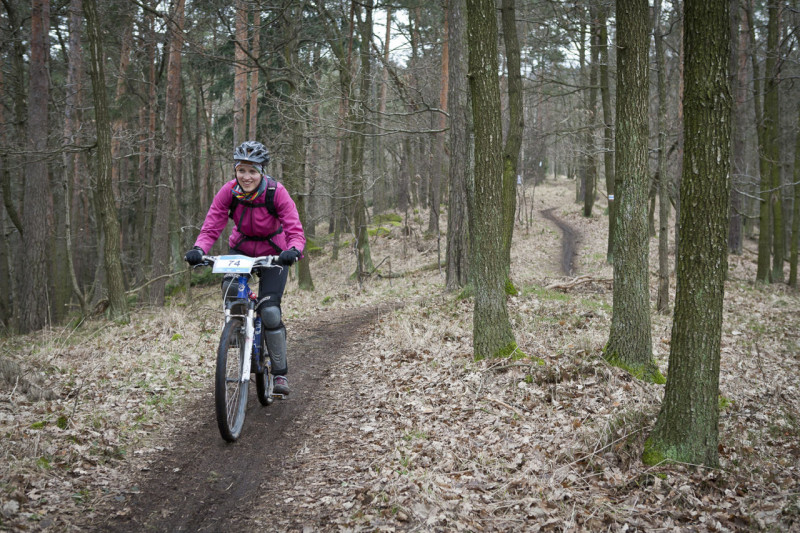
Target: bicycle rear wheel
263,380
230,393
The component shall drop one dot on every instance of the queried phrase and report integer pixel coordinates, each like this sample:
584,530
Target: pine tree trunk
796,215
294,164
457,274
630,345
37,216
240,74
687,427
738,146
492,335
772,134
764,216
103,193
169,166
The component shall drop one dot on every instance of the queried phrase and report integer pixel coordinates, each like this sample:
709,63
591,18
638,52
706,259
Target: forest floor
391,425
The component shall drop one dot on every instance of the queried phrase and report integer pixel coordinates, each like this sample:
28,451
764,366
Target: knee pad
271,317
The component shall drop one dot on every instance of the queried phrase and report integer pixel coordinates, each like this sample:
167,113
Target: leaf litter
416,435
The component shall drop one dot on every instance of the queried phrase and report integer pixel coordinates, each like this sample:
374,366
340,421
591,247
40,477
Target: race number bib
233,264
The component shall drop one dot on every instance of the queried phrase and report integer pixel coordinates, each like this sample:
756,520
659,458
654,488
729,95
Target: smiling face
248,176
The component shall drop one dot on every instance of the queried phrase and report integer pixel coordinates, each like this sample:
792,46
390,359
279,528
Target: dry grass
425,438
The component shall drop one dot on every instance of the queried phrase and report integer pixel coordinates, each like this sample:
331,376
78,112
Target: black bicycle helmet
251,151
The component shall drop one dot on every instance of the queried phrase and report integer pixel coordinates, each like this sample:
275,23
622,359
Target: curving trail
569,242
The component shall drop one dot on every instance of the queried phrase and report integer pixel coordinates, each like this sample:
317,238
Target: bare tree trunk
439,170
516,126
457,275
37,216
765,216
772,134
255,52
492,334
72,103
591,163
240,74
738,146
161,227
662,303
796,215
104,197
630,342
687,429
608,130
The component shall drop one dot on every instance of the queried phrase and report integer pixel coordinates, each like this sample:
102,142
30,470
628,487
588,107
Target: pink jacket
253,221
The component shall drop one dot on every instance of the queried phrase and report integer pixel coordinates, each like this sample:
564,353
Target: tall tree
764,206
240,73
772,140
630,344
169,161
796,214
492,335
516,124
103,193
591,108
294,164
37,215
662,304
457,274
687,429
608,128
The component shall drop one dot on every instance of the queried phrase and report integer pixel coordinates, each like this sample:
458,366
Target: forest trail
202,483
569,242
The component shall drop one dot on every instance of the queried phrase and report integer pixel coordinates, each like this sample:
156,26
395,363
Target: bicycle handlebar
261,261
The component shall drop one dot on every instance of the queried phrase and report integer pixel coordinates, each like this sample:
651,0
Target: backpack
269,204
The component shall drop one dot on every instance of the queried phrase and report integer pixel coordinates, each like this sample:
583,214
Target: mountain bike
242,350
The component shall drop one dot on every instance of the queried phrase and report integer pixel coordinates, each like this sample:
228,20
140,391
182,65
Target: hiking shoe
280,385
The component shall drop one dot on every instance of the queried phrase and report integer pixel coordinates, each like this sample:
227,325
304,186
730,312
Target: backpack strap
269,204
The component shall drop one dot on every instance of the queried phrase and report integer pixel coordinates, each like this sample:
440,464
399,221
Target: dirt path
203,484
569,242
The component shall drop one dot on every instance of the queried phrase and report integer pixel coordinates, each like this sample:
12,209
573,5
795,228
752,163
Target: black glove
194,256
289,257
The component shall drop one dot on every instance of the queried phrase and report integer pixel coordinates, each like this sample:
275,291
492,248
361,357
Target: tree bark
772,134
662,304
103,193
358,110
796,215
630,345
240,74
591,164
169,164
457,274
608,130
294,164
492,335
37,216
516,126
765,216
687,428
738,145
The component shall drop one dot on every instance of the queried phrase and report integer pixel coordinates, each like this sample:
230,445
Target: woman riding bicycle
266,222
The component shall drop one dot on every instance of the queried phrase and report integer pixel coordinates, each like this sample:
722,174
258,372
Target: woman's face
248,176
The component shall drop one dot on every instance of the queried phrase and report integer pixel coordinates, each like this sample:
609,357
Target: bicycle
242,350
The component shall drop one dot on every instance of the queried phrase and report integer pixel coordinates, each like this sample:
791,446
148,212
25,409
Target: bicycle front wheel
230,393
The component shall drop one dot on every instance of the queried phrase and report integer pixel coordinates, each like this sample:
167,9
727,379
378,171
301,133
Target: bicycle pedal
279,396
